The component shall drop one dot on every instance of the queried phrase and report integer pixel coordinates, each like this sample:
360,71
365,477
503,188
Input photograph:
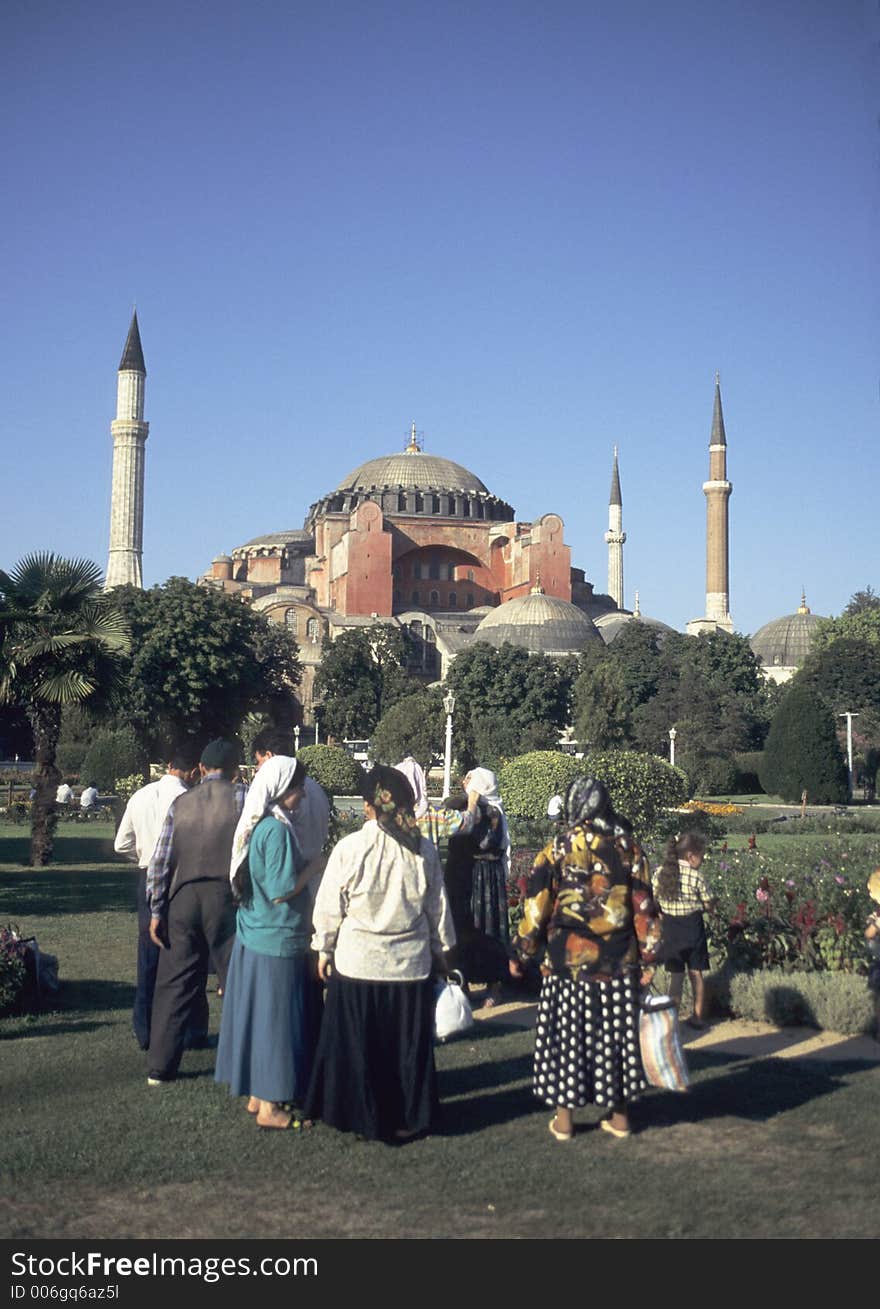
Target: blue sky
536,230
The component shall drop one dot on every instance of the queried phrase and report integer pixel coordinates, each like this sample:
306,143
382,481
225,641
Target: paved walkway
733,1036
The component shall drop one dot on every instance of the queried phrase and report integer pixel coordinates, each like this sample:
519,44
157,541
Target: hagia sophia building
417,540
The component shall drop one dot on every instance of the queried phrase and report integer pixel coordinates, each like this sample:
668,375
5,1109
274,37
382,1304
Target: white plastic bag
452,1010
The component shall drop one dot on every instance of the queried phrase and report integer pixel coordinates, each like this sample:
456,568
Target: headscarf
276,776
415,775
587,801
485,783
392,797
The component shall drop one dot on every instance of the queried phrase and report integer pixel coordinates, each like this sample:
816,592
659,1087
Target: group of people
328,965
64,795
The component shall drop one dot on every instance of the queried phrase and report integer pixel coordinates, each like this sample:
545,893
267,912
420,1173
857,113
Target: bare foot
253,1105
269,1115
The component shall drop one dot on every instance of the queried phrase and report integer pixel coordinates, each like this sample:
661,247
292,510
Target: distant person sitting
64,794
89,798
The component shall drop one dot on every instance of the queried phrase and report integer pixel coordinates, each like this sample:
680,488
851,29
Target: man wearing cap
192,913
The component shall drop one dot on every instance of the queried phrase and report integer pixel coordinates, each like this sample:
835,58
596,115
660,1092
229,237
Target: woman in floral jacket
589,907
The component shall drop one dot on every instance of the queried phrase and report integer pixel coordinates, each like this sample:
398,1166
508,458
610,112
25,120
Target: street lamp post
672,735
849,768
449,706
296,739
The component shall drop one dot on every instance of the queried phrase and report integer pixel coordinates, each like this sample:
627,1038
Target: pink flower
762,895
789,882
841,881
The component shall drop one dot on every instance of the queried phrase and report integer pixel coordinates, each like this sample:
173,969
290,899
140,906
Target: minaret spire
717,492
615,537
125,560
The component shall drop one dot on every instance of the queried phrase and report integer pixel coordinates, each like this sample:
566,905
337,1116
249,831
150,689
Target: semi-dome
412,467
542,624
783,644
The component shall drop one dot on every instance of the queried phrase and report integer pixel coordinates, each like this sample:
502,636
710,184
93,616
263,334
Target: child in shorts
681,892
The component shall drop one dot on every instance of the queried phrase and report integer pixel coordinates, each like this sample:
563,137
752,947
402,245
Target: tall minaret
615,537
127,494
717,492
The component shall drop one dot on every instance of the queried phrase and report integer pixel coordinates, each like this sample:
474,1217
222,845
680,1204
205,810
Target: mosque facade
415,539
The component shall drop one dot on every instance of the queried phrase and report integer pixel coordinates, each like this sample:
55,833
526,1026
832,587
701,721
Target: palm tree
61,638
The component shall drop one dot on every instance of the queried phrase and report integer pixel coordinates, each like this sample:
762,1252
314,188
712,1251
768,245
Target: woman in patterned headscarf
589,907
381,920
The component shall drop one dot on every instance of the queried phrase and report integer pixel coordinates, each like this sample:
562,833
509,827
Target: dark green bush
333,768
113,753
802,753
13,971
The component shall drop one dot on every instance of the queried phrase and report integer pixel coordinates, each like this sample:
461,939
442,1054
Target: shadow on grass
84,996
52,891
27,1029
75,848
756,1093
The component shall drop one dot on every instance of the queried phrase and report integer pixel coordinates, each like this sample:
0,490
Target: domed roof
542,624
412,467
611,625
785,642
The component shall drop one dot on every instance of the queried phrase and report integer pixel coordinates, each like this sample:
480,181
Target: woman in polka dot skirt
589,906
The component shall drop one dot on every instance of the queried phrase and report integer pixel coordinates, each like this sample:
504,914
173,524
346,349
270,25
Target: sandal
607,1126
555,1132
293,1124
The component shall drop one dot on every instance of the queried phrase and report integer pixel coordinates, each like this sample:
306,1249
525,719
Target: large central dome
411,468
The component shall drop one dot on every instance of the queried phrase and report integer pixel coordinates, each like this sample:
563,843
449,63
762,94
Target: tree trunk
46,724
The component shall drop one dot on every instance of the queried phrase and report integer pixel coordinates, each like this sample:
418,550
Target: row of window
433,600
432,569
422,505
313,626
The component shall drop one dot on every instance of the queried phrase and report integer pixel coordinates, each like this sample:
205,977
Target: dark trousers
147,967
201,924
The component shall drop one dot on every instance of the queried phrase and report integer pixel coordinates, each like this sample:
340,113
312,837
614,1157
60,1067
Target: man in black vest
192,914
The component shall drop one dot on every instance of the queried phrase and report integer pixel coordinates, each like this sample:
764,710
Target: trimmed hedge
834,1002
333,767
641,785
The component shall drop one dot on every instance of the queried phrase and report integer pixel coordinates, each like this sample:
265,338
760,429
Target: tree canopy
362,674
200,661
802,752
507,700
414,725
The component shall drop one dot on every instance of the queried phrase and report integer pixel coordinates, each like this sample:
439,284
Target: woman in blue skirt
272,1004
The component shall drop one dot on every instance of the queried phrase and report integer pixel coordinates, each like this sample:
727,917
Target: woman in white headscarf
272,1005
476,880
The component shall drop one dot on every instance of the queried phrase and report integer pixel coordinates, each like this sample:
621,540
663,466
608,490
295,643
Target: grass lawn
758,1147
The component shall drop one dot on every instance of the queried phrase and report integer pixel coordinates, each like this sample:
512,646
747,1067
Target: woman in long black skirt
381,920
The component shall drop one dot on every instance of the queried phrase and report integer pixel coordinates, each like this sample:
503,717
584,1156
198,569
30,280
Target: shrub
125,787
641,785
113,754
837,1002
528,782
333,768
802,753
13,970
748,772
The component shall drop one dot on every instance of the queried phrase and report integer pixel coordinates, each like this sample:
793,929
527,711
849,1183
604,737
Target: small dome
542,624
785,642
611,625
298,537
412,468
222,559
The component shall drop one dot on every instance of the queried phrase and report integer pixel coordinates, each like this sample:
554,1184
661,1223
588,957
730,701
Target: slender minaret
127,493
615,537
717,492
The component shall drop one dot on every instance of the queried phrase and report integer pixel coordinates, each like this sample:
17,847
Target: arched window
401,502
290,619
435,598
434,568
465,508
417,568
453,600
450,572
430,649
469,600
420,503
435,504
313,630
416,598
470,575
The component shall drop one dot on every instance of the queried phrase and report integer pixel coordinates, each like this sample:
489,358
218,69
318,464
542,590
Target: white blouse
381,909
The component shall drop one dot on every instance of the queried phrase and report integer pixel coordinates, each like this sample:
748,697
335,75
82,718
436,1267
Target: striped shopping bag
662,1055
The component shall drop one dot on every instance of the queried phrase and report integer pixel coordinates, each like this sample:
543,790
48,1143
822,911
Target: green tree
855,624
361,676
802,751
863,602
414,725
508,693
333,768
201,660
602,706
62,642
